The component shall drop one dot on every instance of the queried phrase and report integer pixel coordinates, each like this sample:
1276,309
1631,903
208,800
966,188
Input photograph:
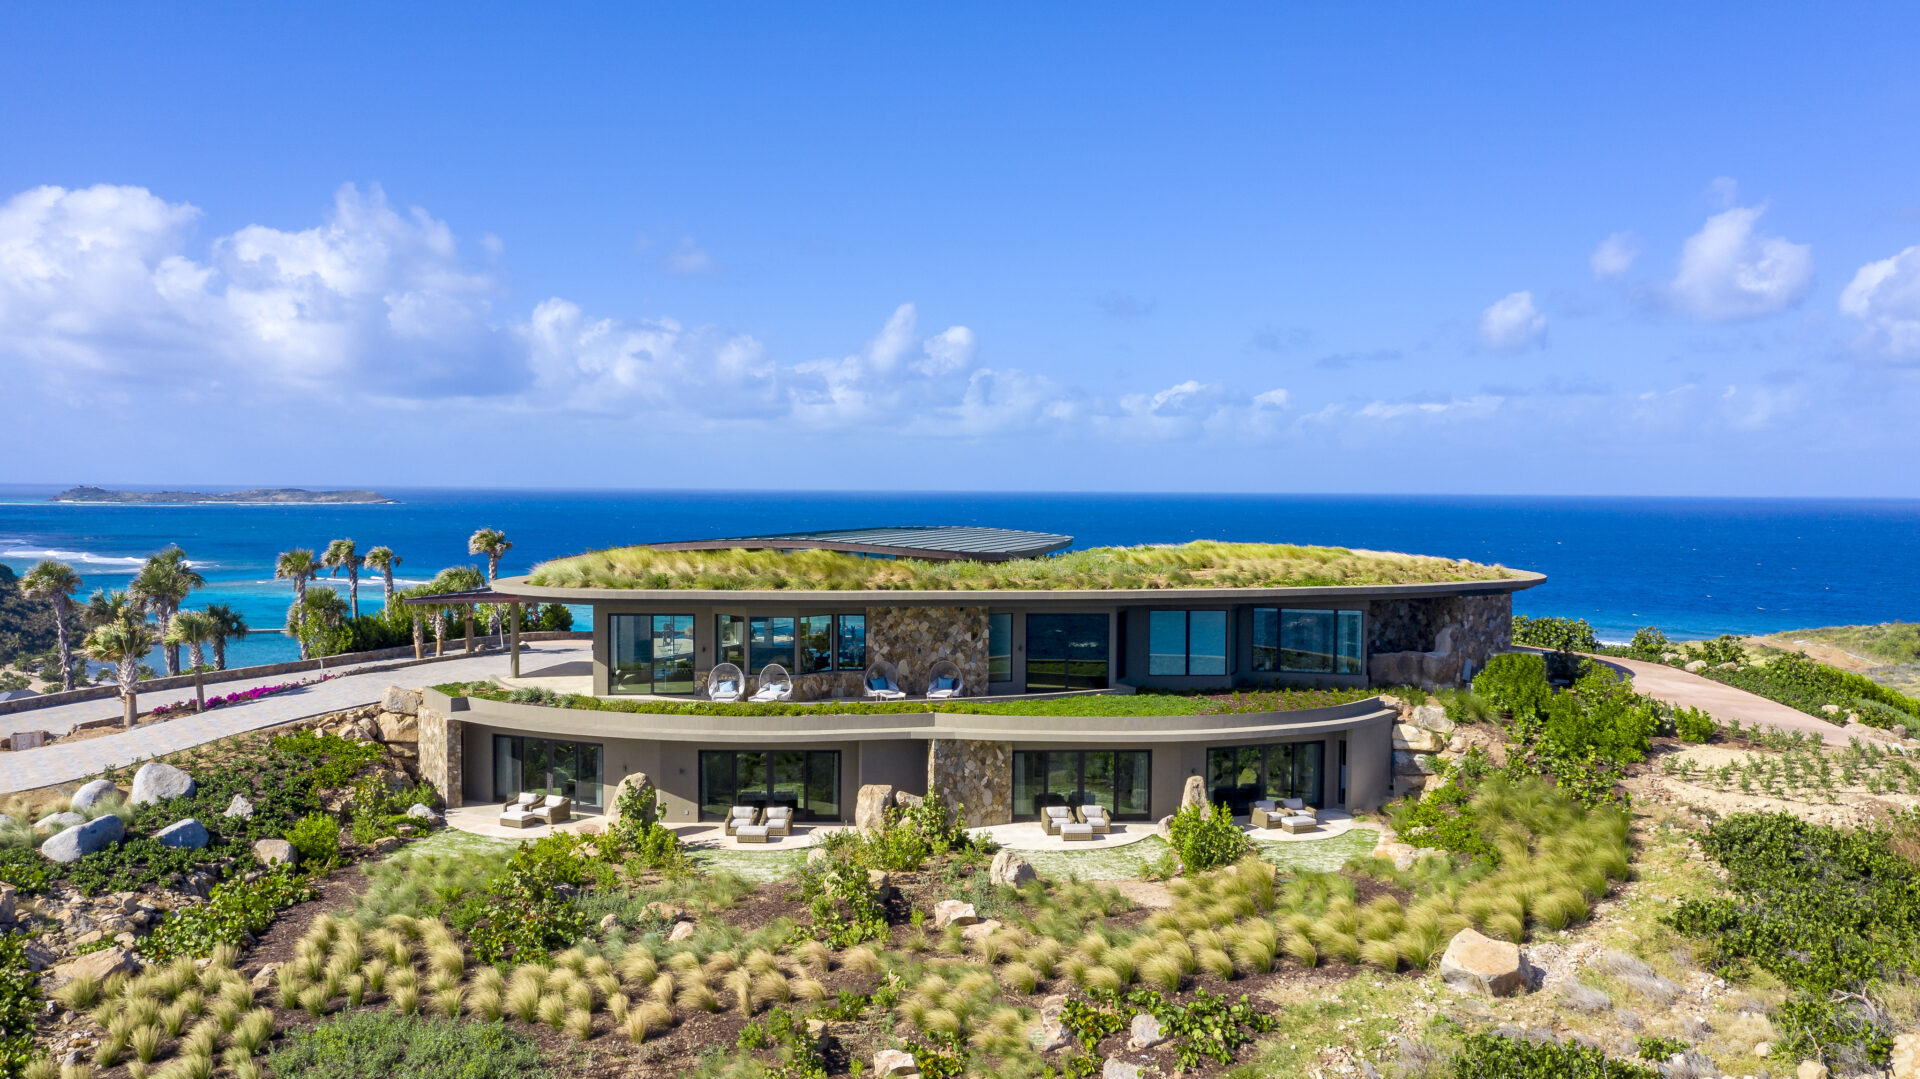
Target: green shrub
1490,1056
1559,634
1694,725
1725,648
1515,683
1657,1049
1601,716
232,911
355,1045
640,835
1205,838
1649,643
19,1003
1798,682
523,912
316,837
1441,819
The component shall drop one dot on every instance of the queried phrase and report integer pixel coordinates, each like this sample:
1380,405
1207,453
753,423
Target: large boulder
1482,964
99,965
241,807
954,912
275,852
424,813
1412,764
870,806
1431,717
156,782
1010,869
1414,739
396,727
636,781
1195,794
54,821
1906,1056
188,834
7,892
83,839
1145,1033
92,794
889,1062
404,701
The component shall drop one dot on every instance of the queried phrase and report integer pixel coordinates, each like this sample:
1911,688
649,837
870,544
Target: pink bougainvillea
240,696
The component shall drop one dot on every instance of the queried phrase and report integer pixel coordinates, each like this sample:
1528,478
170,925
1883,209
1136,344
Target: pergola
470,600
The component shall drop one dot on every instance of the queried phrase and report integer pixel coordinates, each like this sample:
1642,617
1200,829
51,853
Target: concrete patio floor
485,820
1029,836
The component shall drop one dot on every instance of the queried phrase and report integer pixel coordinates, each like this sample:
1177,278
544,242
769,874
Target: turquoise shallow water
1694,567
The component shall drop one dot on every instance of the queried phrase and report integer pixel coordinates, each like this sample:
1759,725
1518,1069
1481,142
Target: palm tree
233,626
343,555
195,629
123,642
163,583
56,582
320,620
451,579
383,559
105,608
298,566
494,544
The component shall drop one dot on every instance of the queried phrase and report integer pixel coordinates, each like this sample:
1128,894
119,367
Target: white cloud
1727,272
1511,324
688,259
1615,255
1885,297
1275,398
947,351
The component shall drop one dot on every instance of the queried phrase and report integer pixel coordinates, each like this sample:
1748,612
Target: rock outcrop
99,965
953,912
275,852
92,794
1011,870
870,806
83,839
187,834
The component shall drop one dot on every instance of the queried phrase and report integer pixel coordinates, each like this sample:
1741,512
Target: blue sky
1619,249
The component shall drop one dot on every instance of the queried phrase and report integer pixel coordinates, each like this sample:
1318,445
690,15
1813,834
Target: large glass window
816,643
1186,642
1237,776
650,653
769,640
1066,651
1117,779
853,642
545,766
1309,641
1000,647
806,780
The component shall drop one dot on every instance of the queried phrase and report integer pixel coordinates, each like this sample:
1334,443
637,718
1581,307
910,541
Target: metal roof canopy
932,542
460,599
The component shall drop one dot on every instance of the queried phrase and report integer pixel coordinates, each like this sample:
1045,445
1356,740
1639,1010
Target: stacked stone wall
1482,628
914,639
442,752
973,773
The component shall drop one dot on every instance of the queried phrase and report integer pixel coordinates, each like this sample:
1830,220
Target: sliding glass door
806,780
650,653
547,766
1237,776
1117,779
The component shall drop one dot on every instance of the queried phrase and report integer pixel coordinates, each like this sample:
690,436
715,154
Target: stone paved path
1724,702
57,763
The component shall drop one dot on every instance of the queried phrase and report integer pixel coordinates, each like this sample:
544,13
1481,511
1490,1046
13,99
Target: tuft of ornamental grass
1123,963
447,959
553,1011
1105,979
1020,977
739,985
651,1015
579,995
236,994
809,989
635,1026
1561,907
861,960
1300,948
618,1004
484,1002
700,997
573,961
191,1066
815,956
579,1023
942,1021
1382,953
41,1068
314,999
771,988
254,1031
1217,962
375,972
234,1058
405,997
1162,971
523,1000
112,1047
202,1040
79,994
638,967
146,1042
1253,945
450,1002
604,986
354,989
173,1019
442,980
1077,968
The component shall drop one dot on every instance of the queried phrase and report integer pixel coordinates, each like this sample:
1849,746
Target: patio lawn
756,866
454,843
1136,860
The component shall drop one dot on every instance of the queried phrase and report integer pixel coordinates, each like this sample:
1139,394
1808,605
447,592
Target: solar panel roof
904,541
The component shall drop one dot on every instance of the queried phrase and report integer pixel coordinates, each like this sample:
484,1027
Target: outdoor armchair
740,815
880,684
554,809
726,683
775,685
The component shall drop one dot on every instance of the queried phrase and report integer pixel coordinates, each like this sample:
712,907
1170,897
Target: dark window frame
1340,663
1186,670
766,793
1080,779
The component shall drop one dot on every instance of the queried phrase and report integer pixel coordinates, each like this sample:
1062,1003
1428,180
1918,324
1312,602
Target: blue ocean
1693,567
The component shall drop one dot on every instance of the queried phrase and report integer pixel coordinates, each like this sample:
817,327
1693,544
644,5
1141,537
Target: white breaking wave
84,557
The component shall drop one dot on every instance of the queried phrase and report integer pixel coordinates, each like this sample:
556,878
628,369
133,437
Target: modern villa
958,660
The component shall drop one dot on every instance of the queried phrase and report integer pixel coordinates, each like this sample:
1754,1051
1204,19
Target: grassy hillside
1200,564
1885,642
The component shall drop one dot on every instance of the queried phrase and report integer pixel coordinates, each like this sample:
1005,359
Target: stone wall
1482,628
442,750
976,774
913,639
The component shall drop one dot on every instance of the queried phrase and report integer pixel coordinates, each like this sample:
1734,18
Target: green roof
930,542
1201,564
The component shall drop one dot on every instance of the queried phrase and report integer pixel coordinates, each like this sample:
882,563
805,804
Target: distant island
259,495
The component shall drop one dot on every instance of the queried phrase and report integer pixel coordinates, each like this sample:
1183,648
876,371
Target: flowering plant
241,696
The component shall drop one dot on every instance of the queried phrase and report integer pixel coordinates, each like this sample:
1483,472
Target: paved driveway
57,763
1724,702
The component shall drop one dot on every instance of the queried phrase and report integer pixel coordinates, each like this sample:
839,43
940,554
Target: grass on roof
1085,704
1200,564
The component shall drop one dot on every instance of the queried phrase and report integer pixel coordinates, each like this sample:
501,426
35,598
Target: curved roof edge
518,586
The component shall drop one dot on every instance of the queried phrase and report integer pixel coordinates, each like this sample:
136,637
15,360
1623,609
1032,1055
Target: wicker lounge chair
1297,807
1098,817
779,820
1053,817
739,816
775,685
555,809
1266,814
881,685
726,683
